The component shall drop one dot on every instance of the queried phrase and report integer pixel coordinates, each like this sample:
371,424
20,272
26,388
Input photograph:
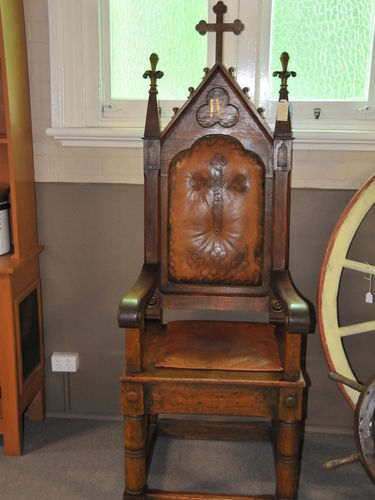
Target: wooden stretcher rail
155,495
217,430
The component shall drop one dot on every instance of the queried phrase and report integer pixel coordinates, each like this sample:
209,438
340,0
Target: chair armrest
296,309
134,303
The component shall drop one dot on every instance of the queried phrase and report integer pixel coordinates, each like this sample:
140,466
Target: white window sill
308,134
349,135
119,137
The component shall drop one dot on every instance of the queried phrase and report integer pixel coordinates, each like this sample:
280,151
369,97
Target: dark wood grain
219,431
295,307
287,459
219,27
220,345
133,305
155,495
175,495
213,399
283,128
217,208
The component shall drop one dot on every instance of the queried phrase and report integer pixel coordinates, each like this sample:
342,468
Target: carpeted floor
73,459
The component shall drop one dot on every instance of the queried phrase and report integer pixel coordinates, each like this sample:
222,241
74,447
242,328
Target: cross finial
219,27
152,74
284,75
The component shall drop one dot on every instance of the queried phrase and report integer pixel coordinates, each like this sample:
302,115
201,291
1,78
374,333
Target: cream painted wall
54,163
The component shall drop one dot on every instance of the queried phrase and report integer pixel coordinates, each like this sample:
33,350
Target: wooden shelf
6,264
21,342
9,263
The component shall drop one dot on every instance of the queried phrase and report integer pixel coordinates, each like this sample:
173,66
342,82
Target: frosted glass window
167,27
330,47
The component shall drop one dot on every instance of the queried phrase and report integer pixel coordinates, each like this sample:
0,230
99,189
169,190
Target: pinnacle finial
284,75
152,74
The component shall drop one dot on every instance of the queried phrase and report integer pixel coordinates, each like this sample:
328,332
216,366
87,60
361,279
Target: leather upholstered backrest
216,201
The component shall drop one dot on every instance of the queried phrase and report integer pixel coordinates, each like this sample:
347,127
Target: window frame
80,117
338,110
131,111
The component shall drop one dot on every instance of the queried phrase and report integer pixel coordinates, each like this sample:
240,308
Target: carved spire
152,127
219,27
152,74
283,128
284,75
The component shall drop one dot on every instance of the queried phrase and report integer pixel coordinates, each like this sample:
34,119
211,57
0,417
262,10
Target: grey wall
314,214
93,237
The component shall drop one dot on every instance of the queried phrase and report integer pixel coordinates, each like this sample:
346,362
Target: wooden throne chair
217,189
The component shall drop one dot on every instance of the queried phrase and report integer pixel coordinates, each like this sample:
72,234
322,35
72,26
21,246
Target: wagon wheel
364,422
335,261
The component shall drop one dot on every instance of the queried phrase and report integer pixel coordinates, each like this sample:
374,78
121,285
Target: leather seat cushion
220,345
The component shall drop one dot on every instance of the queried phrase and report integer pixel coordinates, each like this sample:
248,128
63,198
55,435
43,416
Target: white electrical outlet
65,361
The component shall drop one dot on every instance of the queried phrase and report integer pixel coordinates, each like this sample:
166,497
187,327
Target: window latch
110,108
367,110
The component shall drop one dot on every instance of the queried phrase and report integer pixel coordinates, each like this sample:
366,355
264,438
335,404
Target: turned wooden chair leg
153,419
287,460
135,456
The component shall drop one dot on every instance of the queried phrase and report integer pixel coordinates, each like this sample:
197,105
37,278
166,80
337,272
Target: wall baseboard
84,416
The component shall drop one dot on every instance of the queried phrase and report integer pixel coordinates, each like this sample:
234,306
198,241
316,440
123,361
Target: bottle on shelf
5,240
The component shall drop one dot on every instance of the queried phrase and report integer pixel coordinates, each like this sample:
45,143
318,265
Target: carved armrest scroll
134,303
296,309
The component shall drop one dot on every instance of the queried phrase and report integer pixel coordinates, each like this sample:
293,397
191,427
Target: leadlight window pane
167,27
330,47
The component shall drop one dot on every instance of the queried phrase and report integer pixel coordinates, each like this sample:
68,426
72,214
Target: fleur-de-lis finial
284,75
152,74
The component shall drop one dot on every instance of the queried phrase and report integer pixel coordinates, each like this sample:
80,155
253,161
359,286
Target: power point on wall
65,361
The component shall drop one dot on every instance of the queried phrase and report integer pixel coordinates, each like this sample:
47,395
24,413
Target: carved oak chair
216,239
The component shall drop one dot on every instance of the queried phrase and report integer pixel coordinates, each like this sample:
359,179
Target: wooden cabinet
21,340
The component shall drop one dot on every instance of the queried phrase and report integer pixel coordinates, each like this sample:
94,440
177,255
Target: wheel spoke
368,326
335,261
359,266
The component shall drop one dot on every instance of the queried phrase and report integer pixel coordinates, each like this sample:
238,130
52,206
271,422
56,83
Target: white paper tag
4,232
369,298
282,111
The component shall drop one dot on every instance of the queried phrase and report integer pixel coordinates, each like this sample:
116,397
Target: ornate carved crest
218,110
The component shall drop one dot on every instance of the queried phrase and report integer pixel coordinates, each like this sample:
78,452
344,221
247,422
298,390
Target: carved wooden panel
216,214
218,110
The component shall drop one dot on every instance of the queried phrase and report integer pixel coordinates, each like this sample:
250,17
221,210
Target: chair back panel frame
185,133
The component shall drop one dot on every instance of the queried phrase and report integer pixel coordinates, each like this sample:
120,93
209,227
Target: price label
282,111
